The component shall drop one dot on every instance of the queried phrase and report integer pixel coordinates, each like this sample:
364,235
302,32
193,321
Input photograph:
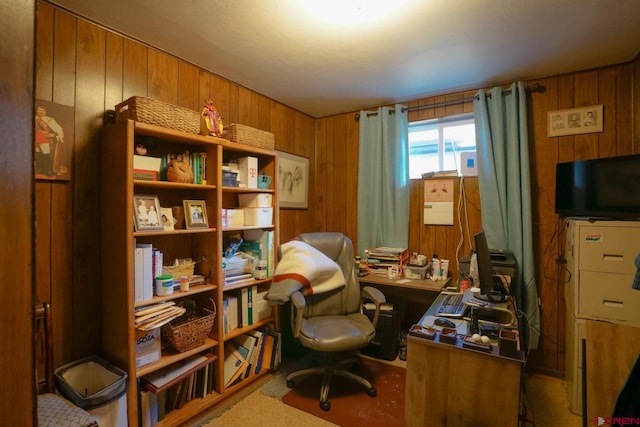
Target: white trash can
96,386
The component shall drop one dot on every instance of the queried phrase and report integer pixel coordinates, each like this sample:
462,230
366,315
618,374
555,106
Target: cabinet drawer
609,249
608,296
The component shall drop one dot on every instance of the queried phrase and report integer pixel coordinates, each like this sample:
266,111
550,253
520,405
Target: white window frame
441,124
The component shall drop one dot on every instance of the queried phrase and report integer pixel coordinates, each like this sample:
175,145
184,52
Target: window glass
435,145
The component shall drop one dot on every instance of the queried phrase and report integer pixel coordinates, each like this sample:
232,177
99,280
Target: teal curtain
505,195
383,179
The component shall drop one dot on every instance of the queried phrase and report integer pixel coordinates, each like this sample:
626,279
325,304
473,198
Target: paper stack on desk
381,258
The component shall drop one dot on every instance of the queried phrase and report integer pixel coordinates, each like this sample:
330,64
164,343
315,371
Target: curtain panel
505,194
383,179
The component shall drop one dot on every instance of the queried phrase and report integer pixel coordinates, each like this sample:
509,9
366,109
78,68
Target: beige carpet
545,402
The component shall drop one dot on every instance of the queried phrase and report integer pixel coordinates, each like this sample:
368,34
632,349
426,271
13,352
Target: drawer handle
611,303
613,257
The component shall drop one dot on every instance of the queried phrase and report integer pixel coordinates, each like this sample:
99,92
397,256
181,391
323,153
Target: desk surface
425,285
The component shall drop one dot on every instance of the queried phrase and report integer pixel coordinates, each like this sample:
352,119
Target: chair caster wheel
290,383
325,406
372,392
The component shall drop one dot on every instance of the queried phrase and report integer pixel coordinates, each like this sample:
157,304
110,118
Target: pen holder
508,343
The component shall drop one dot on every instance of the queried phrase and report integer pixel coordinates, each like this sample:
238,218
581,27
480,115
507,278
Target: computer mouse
446,323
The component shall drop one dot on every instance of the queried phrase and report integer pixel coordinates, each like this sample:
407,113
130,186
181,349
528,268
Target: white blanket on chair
306,269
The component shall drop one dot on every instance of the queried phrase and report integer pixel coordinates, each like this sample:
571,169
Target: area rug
350,404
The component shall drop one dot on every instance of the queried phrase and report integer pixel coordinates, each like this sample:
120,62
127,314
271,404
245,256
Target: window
435,145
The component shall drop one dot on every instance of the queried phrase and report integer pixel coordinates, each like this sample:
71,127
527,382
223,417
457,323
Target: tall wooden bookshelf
203,245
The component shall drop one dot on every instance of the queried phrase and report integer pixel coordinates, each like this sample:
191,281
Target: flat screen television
599,188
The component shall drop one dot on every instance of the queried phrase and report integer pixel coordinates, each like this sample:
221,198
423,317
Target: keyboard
452,306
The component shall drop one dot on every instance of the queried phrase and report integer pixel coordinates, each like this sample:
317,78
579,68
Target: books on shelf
166,377
234,364
171,387
261,245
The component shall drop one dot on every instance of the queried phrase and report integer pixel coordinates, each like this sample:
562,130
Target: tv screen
599,188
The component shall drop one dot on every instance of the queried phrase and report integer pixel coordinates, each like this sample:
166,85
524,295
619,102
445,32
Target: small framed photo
146,210
167,219
195,214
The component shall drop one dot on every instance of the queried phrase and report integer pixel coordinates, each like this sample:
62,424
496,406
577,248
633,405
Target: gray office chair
333,323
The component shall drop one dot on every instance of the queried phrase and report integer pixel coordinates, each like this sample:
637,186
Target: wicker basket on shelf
154,112
189,330
250,136
177,271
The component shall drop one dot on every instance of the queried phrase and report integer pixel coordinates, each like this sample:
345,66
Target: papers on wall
438,201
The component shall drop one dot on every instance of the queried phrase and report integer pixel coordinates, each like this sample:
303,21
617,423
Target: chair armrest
298,304
374,295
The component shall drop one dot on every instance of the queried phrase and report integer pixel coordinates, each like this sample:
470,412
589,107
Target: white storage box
415,272
258,216
255,200
147,347
235,217
248,172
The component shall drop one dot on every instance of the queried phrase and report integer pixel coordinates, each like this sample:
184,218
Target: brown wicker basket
186,333
154,112
250,136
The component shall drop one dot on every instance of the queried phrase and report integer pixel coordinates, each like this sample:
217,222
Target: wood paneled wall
82,65
92,69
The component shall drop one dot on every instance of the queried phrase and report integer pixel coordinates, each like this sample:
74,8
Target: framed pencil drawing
575,121
293,179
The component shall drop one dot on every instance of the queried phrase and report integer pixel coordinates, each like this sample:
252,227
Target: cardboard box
235,217
248,172
147,347
255,200
258,216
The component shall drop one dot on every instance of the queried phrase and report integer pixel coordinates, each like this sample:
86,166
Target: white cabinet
600,270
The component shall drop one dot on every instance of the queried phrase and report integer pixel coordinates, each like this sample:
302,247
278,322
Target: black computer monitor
491,288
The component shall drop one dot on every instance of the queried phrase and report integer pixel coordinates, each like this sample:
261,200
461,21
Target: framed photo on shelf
293,178
195,214
146,209
167,219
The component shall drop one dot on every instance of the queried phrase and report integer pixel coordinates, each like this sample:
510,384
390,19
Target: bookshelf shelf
119,241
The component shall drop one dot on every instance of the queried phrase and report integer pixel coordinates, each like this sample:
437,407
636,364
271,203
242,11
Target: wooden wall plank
220,97
188,87
163,77
623,119
44,59
321,173
351,143
244,106
586,93
90,100
64,91
114,78
607,81
135,70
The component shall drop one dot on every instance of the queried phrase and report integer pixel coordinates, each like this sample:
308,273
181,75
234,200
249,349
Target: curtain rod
536,87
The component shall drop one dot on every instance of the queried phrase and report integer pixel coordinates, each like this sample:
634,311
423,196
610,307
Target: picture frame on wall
53,140
293,179
575,121
146,210
195,214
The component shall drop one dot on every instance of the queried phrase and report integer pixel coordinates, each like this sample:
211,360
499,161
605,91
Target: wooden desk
449,385
415,295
